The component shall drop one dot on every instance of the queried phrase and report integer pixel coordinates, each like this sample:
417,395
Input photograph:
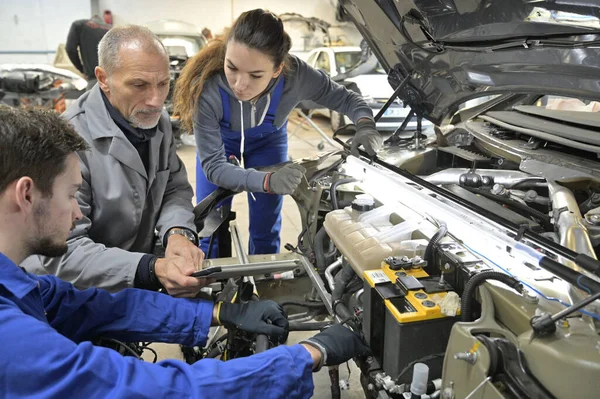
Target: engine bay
455,254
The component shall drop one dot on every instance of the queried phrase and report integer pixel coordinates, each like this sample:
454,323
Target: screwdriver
234,161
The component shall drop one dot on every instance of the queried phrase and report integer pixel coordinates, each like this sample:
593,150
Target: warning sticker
378,276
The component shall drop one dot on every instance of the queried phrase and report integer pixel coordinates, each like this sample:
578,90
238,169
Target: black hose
333,192
570,275
320,251
310,305
214,353
429,251
334,377
341,279
308,326
262,343
466,308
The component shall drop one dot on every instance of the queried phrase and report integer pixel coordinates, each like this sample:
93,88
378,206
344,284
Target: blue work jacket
46,325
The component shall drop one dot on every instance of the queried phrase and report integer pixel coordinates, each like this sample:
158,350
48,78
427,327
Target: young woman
236,96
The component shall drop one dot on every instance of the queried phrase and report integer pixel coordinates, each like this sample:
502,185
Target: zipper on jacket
253,114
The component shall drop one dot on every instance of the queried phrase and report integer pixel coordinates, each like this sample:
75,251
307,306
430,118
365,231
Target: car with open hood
476,244
467,257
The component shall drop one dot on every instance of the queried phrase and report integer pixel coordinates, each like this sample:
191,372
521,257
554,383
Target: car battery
401,321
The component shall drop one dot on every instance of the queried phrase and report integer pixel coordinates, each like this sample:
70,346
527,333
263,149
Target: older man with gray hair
133,181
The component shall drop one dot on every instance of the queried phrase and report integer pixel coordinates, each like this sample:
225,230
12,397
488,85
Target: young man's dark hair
35,143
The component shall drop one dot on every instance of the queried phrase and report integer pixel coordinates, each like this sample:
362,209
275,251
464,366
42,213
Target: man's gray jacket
122,205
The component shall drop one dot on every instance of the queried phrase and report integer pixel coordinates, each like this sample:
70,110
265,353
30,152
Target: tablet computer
224,272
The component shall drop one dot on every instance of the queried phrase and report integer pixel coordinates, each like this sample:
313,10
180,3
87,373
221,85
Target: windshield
182,45
345,60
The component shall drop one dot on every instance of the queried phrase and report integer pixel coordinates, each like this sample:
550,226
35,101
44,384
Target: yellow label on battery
376,277
415,306
386,275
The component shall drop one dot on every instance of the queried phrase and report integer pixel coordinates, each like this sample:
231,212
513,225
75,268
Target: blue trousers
265,212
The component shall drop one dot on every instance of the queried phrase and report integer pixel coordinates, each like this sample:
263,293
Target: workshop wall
218,14
31,30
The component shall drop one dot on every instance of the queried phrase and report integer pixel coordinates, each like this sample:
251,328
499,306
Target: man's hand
337,345
260,317
178,245
174,274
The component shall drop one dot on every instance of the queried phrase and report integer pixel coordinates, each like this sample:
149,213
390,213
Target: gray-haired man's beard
144,124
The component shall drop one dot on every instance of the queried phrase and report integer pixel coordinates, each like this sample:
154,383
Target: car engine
454,256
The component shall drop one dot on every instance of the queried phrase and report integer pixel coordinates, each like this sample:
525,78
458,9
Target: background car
373,85
182,40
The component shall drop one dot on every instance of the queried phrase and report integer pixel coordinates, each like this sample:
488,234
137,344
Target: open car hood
456,50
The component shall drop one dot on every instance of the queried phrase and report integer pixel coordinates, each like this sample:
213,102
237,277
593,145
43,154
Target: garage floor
303,144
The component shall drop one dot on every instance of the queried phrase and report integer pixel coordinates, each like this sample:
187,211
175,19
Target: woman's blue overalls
264,145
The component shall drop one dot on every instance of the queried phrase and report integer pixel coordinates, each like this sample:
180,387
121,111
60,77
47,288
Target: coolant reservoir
366,236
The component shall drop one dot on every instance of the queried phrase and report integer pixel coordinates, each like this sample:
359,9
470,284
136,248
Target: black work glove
285,180
337,345
260,317
367,136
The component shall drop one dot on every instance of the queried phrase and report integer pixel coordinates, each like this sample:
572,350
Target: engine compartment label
378,276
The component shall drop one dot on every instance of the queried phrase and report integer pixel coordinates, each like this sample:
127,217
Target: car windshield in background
344,61
349,59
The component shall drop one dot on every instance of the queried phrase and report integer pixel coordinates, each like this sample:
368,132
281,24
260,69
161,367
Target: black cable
341,279
475,281
146,347
309,326
429,250
310,305
123,345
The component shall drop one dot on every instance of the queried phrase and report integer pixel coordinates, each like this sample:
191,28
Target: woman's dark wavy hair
257,29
